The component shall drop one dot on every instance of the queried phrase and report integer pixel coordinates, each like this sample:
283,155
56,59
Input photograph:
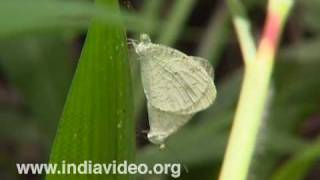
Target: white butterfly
176,86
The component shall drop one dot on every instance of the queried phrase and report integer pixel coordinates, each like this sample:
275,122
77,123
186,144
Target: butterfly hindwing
165,123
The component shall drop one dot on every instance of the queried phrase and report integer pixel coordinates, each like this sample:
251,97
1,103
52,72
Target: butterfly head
144,38
143,45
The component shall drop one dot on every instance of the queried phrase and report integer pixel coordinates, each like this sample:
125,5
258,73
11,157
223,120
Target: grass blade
97,120
18,16
176,20
298,167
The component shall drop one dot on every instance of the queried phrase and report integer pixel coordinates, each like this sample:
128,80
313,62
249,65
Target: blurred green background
40,47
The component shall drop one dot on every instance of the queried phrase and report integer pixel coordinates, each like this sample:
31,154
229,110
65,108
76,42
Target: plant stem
253,95
243,29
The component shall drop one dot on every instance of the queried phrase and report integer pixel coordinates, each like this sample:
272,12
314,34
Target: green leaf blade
97,122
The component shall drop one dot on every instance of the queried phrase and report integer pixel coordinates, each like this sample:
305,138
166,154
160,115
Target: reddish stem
271,32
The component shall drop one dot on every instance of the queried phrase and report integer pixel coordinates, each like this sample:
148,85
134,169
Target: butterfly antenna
176,156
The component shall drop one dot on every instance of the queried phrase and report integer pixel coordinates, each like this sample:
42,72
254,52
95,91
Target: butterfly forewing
173,82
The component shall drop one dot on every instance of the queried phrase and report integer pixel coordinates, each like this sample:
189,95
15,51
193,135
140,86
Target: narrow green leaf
298,166
151,11
97,121
215,37
19,16
178,16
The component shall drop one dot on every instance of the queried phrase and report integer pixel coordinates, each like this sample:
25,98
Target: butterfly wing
174,83
204,63
163,124
210,93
